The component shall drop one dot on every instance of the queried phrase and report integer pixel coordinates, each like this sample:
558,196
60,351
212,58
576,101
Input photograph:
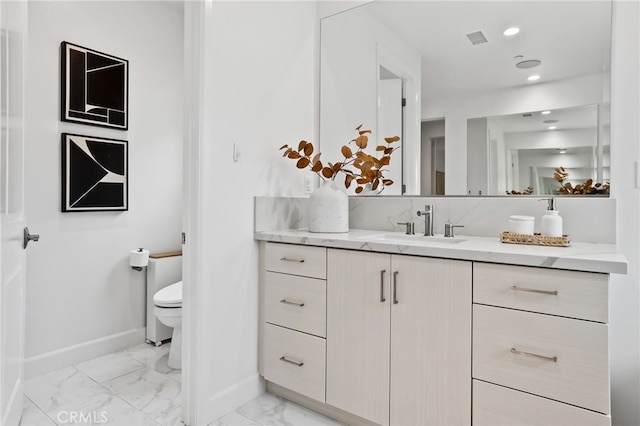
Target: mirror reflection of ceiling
560,119
570,38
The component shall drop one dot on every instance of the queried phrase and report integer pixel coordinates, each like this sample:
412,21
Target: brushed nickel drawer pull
533,290
382,299
546,358
301,304
286,259
395,288
299,364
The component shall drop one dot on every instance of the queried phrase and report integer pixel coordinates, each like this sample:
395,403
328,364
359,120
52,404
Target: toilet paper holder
138,259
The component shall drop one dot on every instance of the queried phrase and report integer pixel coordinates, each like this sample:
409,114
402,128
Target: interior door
390,124
13,19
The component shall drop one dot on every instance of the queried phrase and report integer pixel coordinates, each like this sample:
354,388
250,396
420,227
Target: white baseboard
231,398
60,358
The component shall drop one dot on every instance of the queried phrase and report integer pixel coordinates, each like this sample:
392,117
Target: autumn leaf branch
356,166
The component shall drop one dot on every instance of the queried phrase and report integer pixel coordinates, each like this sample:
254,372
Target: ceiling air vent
476,38
528,114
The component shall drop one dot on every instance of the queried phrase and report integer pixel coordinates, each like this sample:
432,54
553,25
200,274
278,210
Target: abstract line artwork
94,174
95,87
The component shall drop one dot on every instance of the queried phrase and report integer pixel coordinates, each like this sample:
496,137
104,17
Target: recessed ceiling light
533,77
562,150
552,127
545,112
530,63
511,31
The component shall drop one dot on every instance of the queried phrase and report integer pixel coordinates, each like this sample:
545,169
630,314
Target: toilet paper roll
139,257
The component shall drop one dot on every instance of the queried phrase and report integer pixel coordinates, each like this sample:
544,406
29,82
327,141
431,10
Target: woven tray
535,239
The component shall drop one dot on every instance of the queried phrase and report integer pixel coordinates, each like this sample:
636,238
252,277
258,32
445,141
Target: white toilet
168,310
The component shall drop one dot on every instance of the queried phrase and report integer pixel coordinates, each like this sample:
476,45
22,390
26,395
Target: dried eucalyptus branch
356,166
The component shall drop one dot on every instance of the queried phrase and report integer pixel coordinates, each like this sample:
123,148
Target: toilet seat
170,296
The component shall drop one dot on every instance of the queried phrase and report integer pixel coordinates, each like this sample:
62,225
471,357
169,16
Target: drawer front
516,349
295,361
497,406
296,302
565,293
306,261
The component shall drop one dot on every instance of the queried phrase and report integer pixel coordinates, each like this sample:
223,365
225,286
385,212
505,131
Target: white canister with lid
521,224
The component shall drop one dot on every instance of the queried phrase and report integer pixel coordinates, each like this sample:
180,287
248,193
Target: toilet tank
164,269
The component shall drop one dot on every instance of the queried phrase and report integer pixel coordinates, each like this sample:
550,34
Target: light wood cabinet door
430,341
358,323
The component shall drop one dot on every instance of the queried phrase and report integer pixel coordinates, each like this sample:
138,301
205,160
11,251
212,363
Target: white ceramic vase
329,209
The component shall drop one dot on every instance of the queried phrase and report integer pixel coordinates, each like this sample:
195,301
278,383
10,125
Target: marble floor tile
110,411
175,375
156,358
270,410
33,416
174,418
149,391
109,366
147,353
234,419
65,389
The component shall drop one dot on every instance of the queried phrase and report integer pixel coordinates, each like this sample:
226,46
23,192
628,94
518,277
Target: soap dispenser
551,221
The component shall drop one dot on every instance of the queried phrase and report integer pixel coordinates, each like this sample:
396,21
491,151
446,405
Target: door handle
26,237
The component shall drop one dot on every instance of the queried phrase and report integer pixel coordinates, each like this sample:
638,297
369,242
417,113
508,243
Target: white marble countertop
579,256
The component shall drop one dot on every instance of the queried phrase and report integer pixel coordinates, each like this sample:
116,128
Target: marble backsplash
586,219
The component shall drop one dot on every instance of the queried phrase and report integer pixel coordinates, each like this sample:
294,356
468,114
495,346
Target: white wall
476,153
625,153
79,285
258,91
497,160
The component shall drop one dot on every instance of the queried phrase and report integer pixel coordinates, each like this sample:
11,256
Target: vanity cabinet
399,338
293,318
392,339
540,344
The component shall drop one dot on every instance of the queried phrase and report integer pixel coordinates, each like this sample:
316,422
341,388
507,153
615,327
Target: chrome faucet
428,220
410,227
448,229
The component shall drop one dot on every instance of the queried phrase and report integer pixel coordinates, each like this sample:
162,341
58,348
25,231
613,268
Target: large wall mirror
479,111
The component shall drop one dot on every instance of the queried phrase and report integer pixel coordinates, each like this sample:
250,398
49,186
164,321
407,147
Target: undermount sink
414,238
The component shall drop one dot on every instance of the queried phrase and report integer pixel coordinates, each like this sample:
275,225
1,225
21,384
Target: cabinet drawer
503,338
296,302
295,361
306,261
565,293
497,406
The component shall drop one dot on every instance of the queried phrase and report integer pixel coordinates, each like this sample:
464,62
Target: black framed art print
95,174
94,87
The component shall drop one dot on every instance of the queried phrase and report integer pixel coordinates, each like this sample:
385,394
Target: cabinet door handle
288,302
545,358
286,259
382,299
395,288
534,290
296,363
